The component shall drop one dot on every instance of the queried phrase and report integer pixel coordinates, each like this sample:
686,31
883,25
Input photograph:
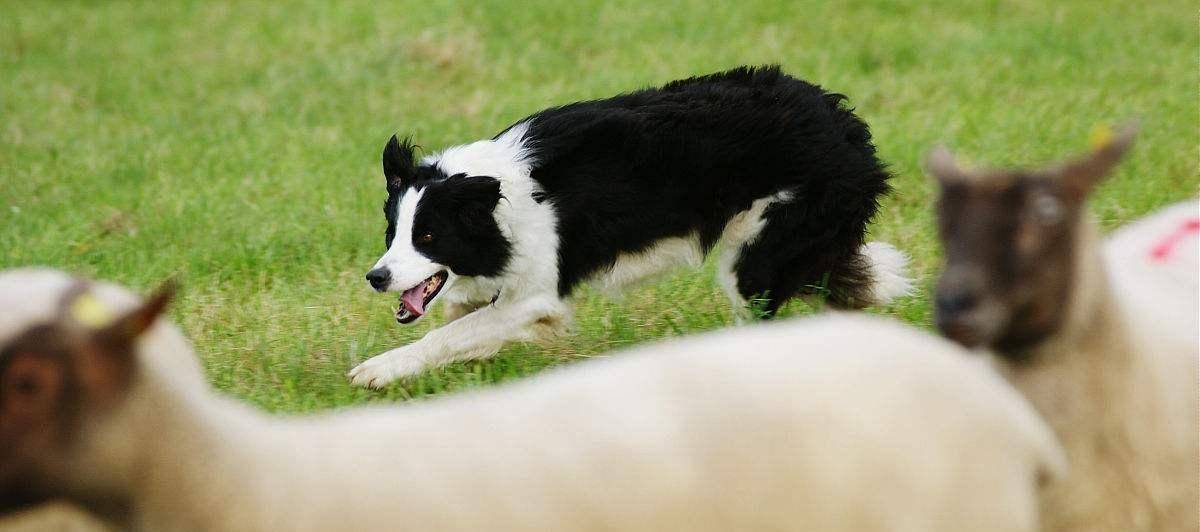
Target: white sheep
1153,264
1103,340
836,423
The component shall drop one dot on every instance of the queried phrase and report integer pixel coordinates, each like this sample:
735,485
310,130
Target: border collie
611,192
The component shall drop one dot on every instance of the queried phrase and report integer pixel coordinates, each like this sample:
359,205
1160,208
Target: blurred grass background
236,144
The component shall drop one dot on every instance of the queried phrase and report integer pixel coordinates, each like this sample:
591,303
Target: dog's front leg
477,335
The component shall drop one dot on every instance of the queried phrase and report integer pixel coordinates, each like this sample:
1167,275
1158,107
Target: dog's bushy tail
888,269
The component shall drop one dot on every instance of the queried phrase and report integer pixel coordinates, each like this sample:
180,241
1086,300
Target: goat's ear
1080,177
30,386
106,363
398,164
127,328
940,164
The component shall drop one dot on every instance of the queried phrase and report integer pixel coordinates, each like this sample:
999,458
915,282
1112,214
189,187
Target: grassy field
236,145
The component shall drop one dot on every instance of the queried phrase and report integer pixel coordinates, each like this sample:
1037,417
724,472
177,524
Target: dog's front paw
380,370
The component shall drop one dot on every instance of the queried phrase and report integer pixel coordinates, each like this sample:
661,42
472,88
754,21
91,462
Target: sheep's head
1010,240
55,375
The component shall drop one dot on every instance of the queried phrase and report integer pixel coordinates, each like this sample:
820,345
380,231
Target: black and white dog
610,192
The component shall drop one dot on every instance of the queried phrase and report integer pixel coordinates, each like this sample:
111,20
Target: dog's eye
425,238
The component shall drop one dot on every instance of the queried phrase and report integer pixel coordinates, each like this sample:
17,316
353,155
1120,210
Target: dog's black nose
953,303
379,278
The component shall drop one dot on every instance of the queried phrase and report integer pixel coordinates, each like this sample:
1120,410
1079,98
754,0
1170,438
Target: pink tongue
414,299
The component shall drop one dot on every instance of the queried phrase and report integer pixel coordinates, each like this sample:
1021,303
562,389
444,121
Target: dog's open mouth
414,300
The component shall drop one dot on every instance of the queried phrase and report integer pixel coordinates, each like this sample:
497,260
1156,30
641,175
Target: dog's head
439,227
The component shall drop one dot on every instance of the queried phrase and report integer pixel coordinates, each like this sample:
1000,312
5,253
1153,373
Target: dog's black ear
476,197
398,162
478,192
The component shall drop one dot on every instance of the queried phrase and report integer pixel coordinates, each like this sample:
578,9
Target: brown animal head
55,375
1010,239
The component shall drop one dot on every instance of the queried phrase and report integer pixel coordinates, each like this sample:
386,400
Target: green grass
236,145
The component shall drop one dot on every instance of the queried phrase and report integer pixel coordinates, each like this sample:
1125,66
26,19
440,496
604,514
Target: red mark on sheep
1162,251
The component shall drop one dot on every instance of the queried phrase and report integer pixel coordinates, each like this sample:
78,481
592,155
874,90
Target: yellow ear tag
1102,136
88,310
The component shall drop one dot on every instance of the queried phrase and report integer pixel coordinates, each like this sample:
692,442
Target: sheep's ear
940,164
1080,177
106,363
126,329
398,164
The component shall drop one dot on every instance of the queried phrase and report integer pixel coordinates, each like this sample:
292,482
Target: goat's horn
940,163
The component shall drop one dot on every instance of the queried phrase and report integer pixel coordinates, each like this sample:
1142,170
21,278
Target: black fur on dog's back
626,171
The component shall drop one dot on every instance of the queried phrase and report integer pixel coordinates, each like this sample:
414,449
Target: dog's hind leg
741,230
794,253
727,278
